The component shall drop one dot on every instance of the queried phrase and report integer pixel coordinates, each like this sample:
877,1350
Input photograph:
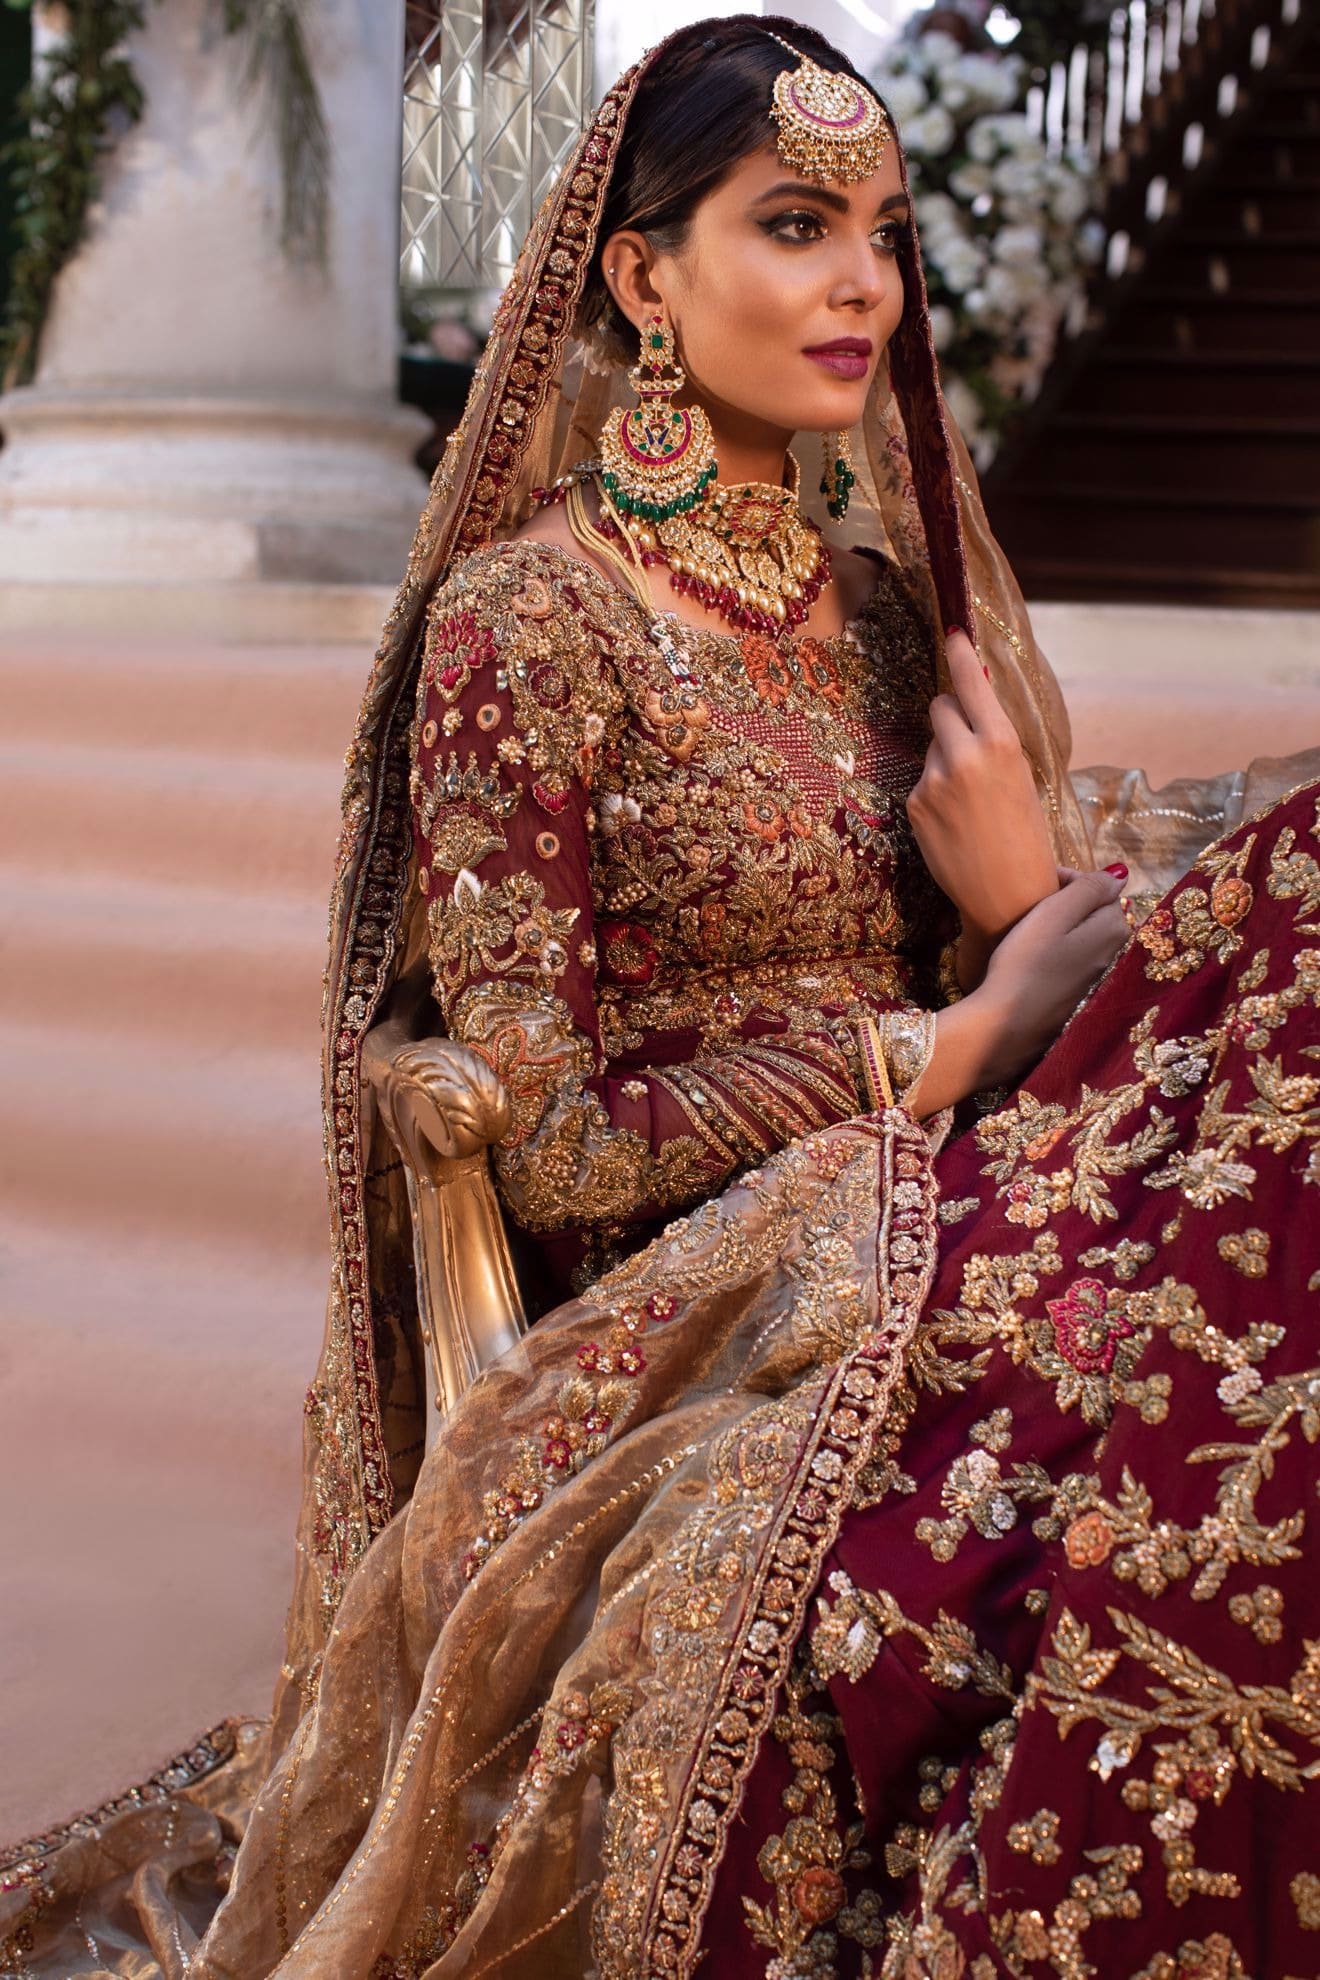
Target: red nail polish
1118,870
985,670
949,631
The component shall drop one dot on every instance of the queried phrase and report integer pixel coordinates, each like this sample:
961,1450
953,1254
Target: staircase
1174,455
168,819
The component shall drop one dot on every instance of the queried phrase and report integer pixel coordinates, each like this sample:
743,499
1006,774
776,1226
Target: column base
96,488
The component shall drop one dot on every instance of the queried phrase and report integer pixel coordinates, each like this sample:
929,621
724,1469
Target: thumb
1080,895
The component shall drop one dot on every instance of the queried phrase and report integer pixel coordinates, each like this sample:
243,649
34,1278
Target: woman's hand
1045,965
1037,976
975,814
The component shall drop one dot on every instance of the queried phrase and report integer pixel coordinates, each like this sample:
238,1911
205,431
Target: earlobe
627,264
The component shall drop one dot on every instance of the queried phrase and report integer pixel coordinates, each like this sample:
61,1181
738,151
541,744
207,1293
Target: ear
628,263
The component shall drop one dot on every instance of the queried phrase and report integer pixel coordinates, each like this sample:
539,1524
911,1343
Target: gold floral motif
806,1864
1305,1893
1190,1702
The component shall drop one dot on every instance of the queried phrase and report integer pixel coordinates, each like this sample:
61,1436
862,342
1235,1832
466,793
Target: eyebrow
800,189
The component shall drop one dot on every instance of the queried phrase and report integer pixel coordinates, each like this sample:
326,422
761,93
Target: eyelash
900,233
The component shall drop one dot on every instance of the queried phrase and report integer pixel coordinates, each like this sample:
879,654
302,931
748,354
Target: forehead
761,171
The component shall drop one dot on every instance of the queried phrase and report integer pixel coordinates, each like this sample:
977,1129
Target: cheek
891,309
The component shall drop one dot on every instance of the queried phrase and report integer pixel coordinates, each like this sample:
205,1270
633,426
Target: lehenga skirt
903,1566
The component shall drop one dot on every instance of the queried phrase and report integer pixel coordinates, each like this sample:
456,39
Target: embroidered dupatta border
851,1414
373,868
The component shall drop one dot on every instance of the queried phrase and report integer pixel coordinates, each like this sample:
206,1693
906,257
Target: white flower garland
1007,230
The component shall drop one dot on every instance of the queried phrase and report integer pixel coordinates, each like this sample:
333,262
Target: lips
847,357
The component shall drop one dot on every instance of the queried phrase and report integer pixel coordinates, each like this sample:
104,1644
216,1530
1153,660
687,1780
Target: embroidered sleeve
518,706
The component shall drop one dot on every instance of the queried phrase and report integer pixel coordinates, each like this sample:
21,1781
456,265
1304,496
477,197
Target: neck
746,448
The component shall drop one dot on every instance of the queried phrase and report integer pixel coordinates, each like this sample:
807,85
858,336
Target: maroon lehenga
1056,1709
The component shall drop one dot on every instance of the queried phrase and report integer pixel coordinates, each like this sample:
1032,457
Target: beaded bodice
636,864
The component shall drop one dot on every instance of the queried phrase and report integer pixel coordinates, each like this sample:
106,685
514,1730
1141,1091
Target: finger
1079,898
949,722
971,683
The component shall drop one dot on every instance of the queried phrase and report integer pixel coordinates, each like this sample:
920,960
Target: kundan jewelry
836,483
743,549
830,126
658,460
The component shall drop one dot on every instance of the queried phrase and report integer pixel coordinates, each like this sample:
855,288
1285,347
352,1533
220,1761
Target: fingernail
949,631
1118,870
986,671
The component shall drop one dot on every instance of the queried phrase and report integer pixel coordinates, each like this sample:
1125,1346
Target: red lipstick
846,357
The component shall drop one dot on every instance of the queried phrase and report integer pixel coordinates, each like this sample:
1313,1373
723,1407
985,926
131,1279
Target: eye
890,235
800,226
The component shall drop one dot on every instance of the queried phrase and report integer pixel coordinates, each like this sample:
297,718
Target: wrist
986,1039
972,954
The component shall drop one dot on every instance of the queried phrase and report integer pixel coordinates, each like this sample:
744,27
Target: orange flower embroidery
1089,1541
1230,900
820,674
761,817
818,1894
766,668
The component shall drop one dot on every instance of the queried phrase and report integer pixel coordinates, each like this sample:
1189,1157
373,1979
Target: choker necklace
743,549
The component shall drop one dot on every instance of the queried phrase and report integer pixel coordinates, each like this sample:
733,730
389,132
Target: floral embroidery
805,1865
457,646
1089,1323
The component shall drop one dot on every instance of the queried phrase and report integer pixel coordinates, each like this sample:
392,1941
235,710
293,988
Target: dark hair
703,106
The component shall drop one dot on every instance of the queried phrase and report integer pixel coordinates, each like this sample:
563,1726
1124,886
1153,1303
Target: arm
517,713
977,816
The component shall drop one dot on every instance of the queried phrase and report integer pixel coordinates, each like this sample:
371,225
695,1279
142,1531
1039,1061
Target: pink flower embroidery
1086,1332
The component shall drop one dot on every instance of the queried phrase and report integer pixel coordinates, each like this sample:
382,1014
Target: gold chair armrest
442,1107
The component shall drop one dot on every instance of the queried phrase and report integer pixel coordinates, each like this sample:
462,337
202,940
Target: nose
863,277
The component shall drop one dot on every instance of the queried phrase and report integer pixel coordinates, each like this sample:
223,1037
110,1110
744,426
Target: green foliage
277,65
83,96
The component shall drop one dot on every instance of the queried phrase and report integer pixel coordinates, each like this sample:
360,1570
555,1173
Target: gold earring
838,479
658,460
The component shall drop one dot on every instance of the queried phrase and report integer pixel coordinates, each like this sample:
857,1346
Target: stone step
1263,462
1258,384
146,1135
190,963
146,1599
256,824
294,701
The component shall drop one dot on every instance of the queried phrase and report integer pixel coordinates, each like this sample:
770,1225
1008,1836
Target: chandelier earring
658,460
836,483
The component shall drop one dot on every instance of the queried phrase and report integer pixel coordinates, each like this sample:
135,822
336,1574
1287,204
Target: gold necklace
743,550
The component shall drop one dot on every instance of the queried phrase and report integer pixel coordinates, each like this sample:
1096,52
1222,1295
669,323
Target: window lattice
495,92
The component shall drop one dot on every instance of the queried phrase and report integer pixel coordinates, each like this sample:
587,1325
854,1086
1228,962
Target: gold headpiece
830,126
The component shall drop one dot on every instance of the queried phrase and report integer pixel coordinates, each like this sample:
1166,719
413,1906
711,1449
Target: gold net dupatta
537,402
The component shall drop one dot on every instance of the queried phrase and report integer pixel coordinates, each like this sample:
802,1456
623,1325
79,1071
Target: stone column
205,412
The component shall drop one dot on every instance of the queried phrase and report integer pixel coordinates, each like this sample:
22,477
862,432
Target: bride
889,1551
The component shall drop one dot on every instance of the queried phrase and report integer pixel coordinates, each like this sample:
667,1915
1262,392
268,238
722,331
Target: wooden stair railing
1174,452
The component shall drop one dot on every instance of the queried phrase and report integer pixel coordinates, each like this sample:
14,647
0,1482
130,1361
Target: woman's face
783,296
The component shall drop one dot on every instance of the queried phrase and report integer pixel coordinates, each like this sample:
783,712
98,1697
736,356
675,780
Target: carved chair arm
442,1107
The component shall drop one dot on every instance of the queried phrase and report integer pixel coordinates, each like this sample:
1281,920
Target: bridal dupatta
536,406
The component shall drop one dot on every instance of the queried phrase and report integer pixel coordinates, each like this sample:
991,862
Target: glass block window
495,93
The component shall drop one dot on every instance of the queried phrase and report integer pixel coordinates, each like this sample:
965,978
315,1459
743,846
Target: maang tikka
658,460
830,126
